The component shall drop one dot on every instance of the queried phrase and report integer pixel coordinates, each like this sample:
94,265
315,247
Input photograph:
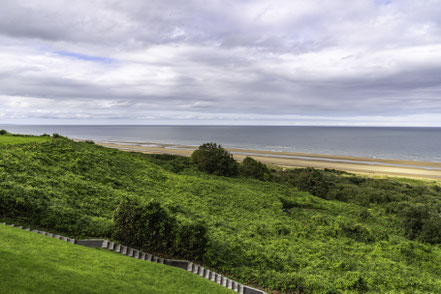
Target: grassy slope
10,140
318,246
32,263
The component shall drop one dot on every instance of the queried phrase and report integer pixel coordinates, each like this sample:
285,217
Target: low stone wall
131,252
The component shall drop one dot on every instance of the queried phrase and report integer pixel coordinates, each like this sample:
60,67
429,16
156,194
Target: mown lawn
32,263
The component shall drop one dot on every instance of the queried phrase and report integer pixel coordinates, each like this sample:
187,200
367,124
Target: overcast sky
336,62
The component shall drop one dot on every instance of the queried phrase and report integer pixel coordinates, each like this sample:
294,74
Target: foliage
3,132
268,233
32,263
10,139
422,222
173,163
311,180
151,227
254,169
58,136
213,159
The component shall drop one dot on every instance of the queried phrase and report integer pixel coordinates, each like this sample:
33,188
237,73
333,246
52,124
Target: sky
229,62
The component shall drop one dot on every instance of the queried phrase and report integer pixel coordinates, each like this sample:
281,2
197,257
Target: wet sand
372,166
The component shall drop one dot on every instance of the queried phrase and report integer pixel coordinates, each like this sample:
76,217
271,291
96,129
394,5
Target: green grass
32,263
13,139
315,246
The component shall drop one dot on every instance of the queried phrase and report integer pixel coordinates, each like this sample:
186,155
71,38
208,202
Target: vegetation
9,139
418,206
152,227
32,263
213,159
254,169
302,230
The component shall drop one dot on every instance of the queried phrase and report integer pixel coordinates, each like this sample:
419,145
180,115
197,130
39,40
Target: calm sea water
392,143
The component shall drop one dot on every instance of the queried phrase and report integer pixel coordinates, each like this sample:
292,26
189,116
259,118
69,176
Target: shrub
413,220
26,204
144,226
312,181
151,227
212,158
422,222
3,132
191,240
254,169
357,232
57,136
173,163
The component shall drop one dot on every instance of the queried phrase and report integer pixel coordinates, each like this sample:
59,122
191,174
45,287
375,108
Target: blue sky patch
84,57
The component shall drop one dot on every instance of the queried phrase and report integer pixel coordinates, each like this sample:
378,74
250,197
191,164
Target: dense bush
173,163
3,132
213,159
254,169
422,222
151,227
312,181
58,136
147,226
23,203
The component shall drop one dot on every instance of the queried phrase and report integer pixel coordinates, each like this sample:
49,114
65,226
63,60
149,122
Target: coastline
370,166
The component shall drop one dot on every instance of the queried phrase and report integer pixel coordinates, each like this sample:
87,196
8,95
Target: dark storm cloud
290,61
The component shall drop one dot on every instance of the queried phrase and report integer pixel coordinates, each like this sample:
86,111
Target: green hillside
262,233
8,139
33,263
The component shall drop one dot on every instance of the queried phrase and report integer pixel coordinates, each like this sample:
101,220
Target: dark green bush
213,159
191,240
312,181
358,232
26,204
3,132
414,217
151,227
254,169
422,222
173,163
146,226
58,136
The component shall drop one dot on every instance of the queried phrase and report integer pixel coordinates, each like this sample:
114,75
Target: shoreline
362,165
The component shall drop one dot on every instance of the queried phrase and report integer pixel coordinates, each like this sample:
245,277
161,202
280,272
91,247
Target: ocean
400,143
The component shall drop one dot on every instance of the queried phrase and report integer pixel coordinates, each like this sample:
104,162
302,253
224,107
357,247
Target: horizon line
223,125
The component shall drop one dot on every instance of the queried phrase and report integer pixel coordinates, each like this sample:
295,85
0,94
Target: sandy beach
371,166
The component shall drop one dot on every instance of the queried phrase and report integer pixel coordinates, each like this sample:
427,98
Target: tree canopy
213,159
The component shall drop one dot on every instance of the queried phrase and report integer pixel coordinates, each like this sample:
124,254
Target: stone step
117,248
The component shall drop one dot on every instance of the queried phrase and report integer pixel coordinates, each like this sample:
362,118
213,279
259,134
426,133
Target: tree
212,158
254,169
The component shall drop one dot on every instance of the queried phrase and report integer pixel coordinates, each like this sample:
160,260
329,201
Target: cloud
307,62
